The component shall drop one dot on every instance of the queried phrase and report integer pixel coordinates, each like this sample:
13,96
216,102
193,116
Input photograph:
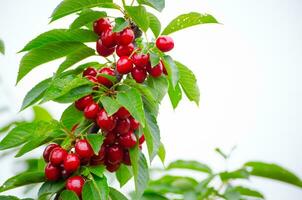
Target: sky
248,69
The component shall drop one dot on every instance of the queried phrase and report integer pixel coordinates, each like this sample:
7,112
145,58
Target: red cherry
142,139
100,158
165,43
52,173
83,149
155,71
83,102
124,65
108,38
134,124
90,71
48,150
114,154
103,80
57,156
104,121
139,75
112,167
110,137
126,158
122,126
71,162
125,37
122,113
101,25
91,111
85,161
92,79
126,50
103,50
128,141
140,60
65,174
75,184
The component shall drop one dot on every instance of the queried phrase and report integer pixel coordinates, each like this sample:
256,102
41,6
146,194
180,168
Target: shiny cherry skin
124,50
122,113
134,124
65,174
110,138
108,38
125,37
105,122
142,139
91,111
114,154
112,167
126,158
71,162
101,25
165,43
124,65
57,156
83,102
48,150
122,126
140,60
155,71
139,75
100,158
103,80
90,71
92,79
103,50
83,149
75,184
128,140
52,173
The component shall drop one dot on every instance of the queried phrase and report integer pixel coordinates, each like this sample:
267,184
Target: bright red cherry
112,167
83,102
134,124
125,37
155,71
128,140
57,156
75,184
90,71
165,43
142,139
83,149
122,126
124,65
52,173
139,75
103,50
114,154
140,60
108,38
122,113
91,111
105,122
92,79
110,137
124,50
48,150
71,162
126,158
103,80
101,25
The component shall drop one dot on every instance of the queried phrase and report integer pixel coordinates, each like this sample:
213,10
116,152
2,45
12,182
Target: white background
248,67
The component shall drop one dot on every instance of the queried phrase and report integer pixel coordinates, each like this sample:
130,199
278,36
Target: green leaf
139,15
274,172
116,195
68,7
68,195
249,192
2,47
97,170
159,5
12,198
238,174
75,94
162,153
153,196
191,165
154,59
41,114
154,24
175,94
188,83
159,87
35,94
50,188
172,70
132,101
96,189
120,24
187,20
96,141
71,116
22,179
46,53
86,17
123,174
110,105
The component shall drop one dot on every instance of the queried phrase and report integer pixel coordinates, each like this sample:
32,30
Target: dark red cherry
103,80
134,124
114,154
103,50
91,111
122,113
139,75
75,184
100,158
48,150
124,65
57,156
52,173
92,79
126,158
112,167
142,139
65,174
165,43
140,60
125,37
101,25
83,102
122,126
124,50
105,122
90,71
108,38
71,162
155,71
110,138
128,140
83,149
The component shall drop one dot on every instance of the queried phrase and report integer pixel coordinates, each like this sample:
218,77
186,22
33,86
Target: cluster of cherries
131,60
